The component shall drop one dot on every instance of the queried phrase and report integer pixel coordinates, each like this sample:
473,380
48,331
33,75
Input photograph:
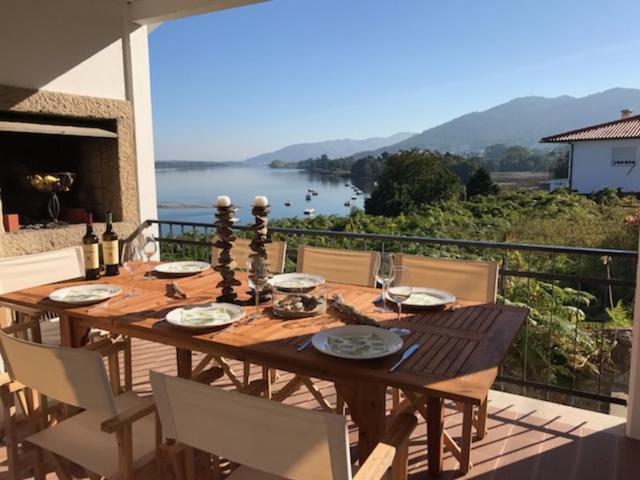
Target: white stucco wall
69,46
593,170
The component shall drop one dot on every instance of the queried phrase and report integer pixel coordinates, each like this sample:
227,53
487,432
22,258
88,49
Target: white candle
223,201
260,201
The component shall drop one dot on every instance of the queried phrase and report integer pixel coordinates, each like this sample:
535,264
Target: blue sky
236,83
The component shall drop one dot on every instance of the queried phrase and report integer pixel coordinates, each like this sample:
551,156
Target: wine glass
398,293
257,272
385,274
149,249
132,259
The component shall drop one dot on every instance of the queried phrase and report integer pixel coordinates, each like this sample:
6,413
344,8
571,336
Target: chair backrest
278,439
70,375
276,253
466,279
26,271
352,267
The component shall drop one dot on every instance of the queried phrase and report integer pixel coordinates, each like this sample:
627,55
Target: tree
412,179
495,152
480,183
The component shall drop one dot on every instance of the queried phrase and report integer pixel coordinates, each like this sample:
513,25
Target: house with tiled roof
603,155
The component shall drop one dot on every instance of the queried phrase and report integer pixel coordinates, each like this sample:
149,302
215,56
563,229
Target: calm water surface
190,188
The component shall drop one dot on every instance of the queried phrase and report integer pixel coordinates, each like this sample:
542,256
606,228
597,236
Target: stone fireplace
46,132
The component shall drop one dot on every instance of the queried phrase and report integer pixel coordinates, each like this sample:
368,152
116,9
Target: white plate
85,294
205,315
357,342
296,282
428,297
181,268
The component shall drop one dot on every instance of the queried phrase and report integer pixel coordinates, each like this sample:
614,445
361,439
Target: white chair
473,280
276,256
352,267
470,280
26,271
269,440
112,436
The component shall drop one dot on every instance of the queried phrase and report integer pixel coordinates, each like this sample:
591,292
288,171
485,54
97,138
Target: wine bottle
110,253
91,253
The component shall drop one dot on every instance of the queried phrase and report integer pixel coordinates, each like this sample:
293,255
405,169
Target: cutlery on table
305,344
407,353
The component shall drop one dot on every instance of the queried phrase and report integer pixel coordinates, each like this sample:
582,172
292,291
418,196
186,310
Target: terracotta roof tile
618,129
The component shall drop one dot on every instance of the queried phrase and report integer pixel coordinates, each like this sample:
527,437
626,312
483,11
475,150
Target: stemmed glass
132,259
149,249
385,274
256,270
398,293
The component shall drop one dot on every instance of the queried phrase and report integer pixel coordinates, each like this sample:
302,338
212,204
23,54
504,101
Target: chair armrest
127,417
31,312
20,327
382,457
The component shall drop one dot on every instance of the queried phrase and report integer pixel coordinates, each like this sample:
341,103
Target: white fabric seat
80,439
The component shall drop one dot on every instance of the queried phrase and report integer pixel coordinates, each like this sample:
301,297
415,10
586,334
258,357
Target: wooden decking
528,439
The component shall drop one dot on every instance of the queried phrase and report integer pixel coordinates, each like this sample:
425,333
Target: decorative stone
258,247
224,241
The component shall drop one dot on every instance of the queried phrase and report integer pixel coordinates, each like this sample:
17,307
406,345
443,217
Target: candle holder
224,241
258,247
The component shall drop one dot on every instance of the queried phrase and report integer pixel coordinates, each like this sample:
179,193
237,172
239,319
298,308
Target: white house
603,155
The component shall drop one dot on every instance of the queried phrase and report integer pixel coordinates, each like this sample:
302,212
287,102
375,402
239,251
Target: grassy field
520,180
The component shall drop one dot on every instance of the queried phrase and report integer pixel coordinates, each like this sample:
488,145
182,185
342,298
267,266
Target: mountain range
332,148
521,121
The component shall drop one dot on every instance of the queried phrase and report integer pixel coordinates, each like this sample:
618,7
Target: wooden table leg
72,334
184,361
367,408
435,428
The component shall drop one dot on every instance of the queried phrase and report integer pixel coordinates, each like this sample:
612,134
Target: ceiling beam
146,12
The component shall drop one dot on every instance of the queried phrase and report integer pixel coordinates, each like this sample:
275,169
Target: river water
190,193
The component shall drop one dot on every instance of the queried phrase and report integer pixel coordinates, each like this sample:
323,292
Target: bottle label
110,252
91,256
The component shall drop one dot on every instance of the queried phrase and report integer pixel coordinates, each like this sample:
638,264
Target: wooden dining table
461,347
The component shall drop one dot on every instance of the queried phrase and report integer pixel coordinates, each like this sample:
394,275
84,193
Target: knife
305,344
407,353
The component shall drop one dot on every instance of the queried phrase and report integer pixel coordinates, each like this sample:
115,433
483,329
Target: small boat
310,190
375,184
287,204
347,203
354,197
359,192
309,211
315,193
308,197
347,184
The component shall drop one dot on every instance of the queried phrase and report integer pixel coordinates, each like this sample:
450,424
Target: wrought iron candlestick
224,243
260,212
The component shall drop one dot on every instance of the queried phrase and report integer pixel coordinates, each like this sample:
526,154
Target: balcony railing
575,347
